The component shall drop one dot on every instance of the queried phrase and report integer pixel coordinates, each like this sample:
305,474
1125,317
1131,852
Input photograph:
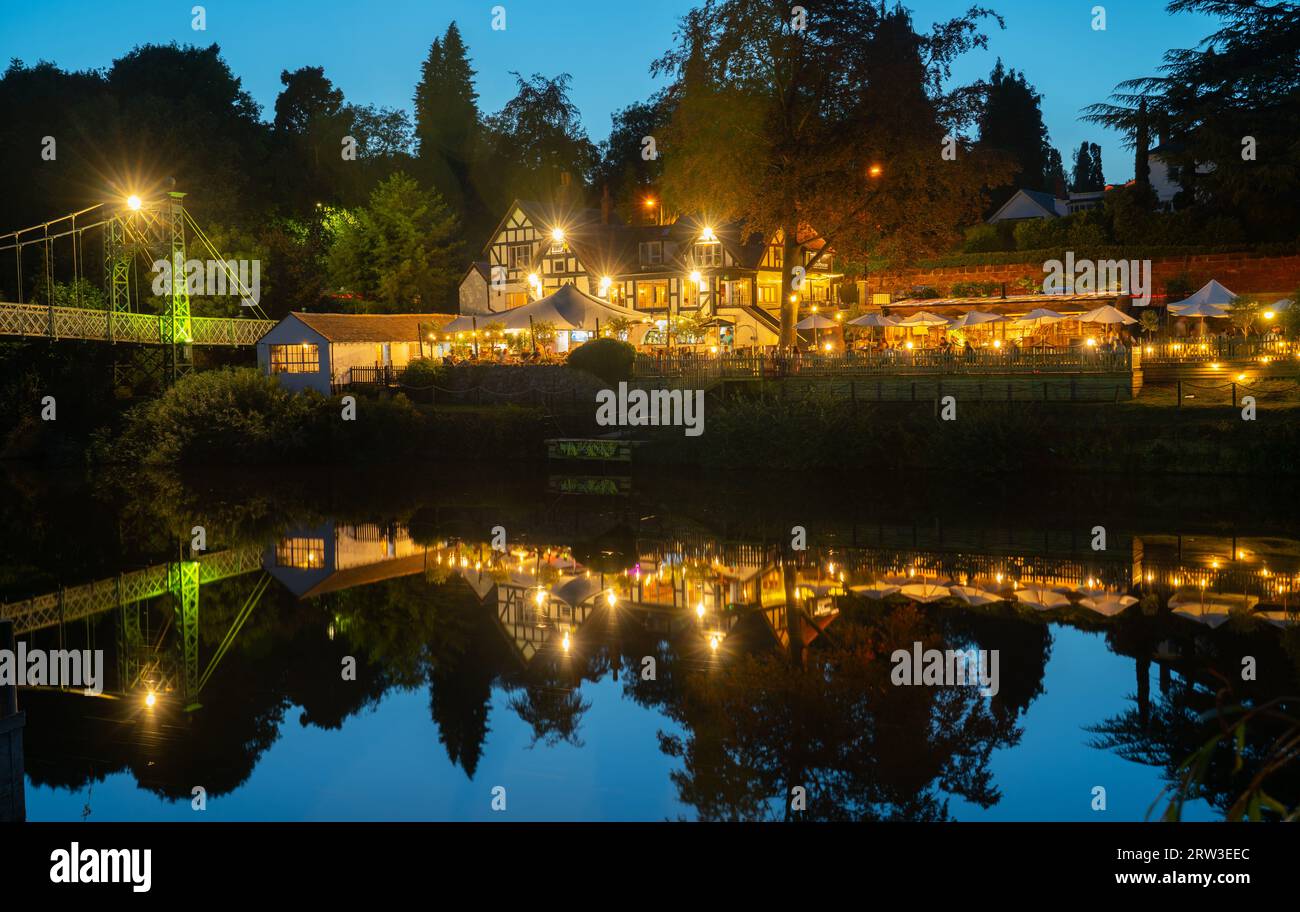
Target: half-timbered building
721,273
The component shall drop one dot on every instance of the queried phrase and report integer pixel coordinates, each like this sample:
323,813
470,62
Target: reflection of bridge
143,664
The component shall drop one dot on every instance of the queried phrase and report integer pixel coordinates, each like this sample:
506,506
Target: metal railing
107,326
1196,349
1009,360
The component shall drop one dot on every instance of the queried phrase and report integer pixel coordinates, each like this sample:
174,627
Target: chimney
606,204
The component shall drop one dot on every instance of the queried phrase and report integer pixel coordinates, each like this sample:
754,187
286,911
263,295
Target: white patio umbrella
1108,315
1202,310
924,318
1209,293
978,318
1107,603
1040,316
925,592
873,319
1277,618
975,596
874,590
816,322
1041,598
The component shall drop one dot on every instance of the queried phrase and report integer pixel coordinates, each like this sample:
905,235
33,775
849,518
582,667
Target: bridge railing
106,326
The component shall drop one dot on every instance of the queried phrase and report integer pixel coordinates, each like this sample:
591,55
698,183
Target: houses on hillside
719,273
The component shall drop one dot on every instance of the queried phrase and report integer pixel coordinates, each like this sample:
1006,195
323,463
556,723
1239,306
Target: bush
232,415
609,359
982,239
422,373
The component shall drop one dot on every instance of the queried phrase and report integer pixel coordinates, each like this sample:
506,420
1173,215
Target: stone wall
1243,273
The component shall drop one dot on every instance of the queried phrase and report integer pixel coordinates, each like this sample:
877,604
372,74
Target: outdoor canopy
565,309
1211,293
978,318
924,318
816,321
873,319
1040,315
1106,314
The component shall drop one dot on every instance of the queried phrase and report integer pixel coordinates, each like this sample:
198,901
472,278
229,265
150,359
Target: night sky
373,50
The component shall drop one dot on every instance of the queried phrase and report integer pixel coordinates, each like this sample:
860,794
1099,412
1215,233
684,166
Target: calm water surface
729,668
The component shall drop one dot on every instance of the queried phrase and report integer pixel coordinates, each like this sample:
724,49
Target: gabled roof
373,327
1045,202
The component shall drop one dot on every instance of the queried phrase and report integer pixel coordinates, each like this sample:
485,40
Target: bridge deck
106,326
76,602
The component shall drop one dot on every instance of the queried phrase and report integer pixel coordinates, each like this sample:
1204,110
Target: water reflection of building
335,556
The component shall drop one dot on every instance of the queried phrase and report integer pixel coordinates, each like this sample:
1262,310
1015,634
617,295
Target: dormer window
651,253
708,253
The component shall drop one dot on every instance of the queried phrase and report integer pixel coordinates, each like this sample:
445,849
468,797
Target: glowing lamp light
540,598
714,641
875,171
910,346
151,699
557,235
699,609
1092,342
707,234
133,203
566,642
1241,377
1268,315
611,598
533,279
997,343
605,282
649,203
826,346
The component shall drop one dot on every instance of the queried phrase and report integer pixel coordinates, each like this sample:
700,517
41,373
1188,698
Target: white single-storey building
319,351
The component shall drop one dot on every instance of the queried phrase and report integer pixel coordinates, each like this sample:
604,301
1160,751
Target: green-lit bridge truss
155,231
143,665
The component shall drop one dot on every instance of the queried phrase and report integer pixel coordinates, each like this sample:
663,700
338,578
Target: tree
310,123
539,144
447,128
1229,112
1087,174
1011,122
827,136
624,169
402,250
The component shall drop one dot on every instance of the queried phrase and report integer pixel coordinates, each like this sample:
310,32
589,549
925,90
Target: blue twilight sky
373,49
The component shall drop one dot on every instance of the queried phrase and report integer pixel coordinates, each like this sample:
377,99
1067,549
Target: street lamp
133,202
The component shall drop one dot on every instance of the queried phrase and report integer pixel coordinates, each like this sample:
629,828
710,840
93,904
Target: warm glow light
540,598
910,346
611,598
696,277
649,203
714,641
150,699
1241,377
532,278
708,235
997,343
557,235
1268,315
1091,342
699,610
875,170
826,346
566,641
133,202
605,282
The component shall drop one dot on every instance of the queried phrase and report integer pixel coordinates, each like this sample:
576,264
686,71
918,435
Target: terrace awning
978,318
1211,293
873,319
924,318
1106,314
566,309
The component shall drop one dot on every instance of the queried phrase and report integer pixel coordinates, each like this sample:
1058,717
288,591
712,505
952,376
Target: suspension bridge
155,230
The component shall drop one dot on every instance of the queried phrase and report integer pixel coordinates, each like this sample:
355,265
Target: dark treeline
844,128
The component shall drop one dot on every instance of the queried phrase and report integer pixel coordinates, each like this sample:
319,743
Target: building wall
291,331
473,293
1243,273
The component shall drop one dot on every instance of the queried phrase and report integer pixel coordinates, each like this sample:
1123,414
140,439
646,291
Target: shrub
422,373
609,359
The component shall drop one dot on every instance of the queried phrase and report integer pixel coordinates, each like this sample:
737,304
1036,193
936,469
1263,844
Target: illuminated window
300,553
295,359
516,299
708,254
652,253
651,295
767,293
519,256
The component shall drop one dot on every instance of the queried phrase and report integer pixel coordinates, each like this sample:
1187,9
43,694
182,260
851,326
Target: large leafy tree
1241,83
825,130
402,250
539,147
630,170
1011,122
